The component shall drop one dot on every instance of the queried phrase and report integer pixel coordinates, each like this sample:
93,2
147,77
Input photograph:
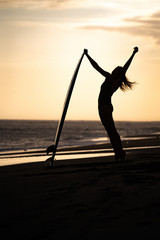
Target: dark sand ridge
84,198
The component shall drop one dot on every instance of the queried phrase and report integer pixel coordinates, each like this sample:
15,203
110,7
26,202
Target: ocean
25,135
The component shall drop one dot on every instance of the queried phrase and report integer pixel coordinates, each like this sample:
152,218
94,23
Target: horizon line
78,120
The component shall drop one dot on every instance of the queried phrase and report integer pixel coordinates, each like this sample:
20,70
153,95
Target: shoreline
78,152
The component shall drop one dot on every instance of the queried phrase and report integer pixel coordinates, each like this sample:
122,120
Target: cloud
38,3
27,15
137,26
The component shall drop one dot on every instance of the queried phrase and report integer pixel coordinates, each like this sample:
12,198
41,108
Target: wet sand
85,198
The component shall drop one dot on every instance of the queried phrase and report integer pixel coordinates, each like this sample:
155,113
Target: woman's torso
105,93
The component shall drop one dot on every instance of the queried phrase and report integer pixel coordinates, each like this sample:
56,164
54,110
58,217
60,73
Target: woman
112,82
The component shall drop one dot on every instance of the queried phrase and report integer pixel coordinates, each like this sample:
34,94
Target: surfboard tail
49,162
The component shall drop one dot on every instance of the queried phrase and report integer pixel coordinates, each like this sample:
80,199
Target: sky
42,41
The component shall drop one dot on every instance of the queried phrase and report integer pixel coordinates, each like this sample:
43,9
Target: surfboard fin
50,149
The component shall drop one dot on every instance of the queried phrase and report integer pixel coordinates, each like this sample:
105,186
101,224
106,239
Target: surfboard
53,148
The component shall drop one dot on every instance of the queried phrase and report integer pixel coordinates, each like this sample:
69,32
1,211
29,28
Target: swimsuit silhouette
113,81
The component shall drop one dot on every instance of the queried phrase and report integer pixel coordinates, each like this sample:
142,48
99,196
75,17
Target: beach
84,198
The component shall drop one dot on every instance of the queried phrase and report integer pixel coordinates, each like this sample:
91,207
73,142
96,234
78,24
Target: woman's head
125,84
116,72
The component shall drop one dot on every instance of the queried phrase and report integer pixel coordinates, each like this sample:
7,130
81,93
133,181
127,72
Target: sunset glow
42,41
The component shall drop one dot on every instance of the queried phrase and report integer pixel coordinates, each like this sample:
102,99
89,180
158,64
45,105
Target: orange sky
42,41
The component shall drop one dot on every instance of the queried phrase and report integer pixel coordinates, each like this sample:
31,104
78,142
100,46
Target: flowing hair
125,83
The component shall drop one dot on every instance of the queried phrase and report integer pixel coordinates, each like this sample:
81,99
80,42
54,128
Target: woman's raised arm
127,64
95,65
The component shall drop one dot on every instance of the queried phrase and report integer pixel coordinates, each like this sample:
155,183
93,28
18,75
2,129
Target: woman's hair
125,84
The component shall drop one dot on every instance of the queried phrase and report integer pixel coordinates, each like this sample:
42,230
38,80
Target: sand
82,199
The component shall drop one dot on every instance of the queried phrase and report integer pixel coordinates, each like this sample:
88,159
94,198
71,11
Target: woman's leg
108,123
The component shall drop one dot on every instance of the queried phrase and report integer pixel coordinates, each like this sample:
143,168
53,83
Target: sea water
32,134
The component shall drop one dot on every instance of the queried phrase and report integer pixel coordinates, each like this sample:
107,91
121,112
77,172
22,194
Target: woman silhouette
112,82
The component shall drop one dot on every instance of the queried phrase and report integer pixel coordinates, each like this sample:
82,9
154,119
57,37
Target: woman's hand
85,51
135,50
